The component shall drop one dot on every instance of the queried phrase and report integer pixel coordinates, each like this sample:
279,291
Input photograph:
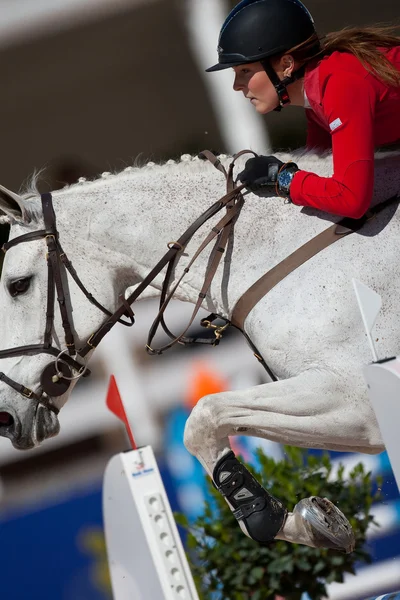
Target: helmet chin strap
280,85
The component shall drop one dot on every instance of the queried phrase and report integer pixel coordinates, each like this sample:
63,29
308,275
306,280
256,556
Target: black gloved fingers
260,183
258,167
242,176
273,171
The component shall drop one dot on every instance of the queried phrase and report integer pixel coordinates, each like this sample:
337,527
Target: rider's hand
260,175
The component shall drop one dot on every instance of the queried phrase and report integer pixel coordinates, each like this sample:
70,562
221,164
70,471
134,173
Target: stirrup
262,515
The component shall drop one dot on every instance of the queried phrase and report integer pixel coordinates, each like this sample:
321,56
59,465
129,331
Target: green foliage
228,565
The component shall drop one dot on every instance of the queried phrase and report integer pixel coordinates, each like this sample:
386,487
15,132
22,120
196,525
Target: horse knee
201,423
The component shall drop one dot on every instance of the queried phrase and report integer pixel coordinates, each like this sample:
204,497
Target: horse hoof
329,527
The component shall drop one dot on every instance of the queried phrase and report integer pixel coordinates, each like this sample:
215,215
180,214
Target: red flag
115,404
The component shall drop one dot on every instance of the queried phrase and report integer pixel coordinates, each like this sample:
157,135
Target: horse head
23,419
46,318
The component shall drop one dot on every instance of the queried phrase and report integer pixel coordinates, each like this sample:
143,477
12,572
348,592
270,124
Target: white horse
307,328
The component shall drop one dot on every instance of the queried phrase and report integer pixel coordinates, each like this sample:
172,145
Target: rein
57,376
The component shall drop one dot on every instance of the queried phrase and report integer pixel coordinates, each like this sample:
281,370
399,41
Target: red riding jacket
352,112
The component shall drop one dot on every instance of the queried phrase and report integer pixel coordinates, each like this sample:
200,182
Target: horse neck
125,221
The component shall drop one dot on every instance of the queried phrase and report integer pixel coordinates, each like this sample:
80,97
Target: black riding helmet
258,29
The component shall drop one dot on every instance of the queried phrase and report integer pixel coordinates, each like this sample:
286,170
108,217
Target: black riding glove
260,175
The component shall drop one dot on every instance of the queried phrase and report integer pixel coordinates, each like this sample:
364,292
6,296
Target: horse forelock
4,219
30,194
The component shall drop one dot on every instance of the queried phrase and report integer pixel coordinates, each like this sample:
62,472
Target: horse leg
305,410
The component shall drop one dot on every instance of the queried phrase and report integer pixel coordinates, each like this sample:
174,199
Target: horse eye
19,286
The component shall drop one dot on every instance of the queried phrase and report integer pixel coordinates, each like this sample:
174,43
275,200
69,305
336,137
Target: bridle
57,376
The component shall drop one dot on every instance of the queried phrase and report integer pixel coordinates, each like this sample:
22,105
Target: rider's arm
317,137
349,105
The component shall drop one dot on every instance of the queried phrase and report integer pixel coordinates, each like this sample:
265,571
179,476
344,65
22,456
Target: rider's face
254,83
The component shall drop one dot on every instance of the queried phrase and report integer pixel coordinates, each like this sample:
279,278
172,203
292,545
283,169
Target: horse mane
30,191
195,163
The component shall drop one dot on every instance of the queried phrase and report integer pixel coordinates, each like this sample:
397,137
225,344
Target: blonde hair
366,43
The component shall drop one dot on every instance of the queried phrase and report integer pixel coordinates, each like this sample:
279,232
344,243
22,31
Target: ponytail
364,43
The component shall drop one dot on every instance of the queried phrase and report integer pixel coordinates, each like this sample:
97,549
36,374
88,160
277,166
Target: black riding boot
262,514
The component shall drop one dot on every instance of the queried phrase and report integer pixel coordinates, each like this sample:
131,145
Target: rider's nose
237,85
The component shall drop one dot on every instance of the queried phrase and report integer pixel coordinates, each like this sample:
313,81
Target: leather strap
175,251
26,237
33,349
269,280
48,331
55,279
18,387
71,270
221,231
220,247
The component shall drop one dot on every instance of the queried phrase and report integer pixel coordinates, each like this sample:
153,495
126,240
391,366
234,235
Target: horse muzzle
29,429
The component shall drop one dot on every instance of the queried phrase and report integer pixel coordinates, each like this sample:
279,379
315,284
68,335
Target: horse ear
12,205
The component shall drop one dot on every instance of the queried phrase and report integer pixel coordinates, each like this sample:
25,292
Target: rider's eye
19,286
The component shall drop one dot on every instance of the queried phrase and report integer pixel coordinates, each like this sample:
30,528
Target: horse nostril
6,420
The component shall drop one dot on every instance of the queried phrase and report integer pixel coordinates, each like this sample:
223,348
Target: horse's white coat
308,328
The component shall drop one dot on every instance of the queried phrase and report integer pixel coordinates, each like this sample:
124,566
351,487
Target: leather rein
57,376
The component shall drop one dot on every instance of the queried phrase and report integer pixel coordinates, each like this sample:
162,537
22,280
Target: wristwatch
284,179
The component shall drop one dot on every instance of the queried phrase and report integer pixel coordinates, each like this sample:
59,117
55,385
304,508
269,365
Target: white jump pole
145,553
240,126
383,380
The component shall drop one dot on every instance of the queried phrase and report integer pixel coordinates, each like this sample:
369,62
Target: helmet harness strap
280,85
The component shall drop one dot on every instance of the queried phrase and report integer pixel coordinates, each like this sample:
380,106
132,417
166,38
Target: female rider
348,83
